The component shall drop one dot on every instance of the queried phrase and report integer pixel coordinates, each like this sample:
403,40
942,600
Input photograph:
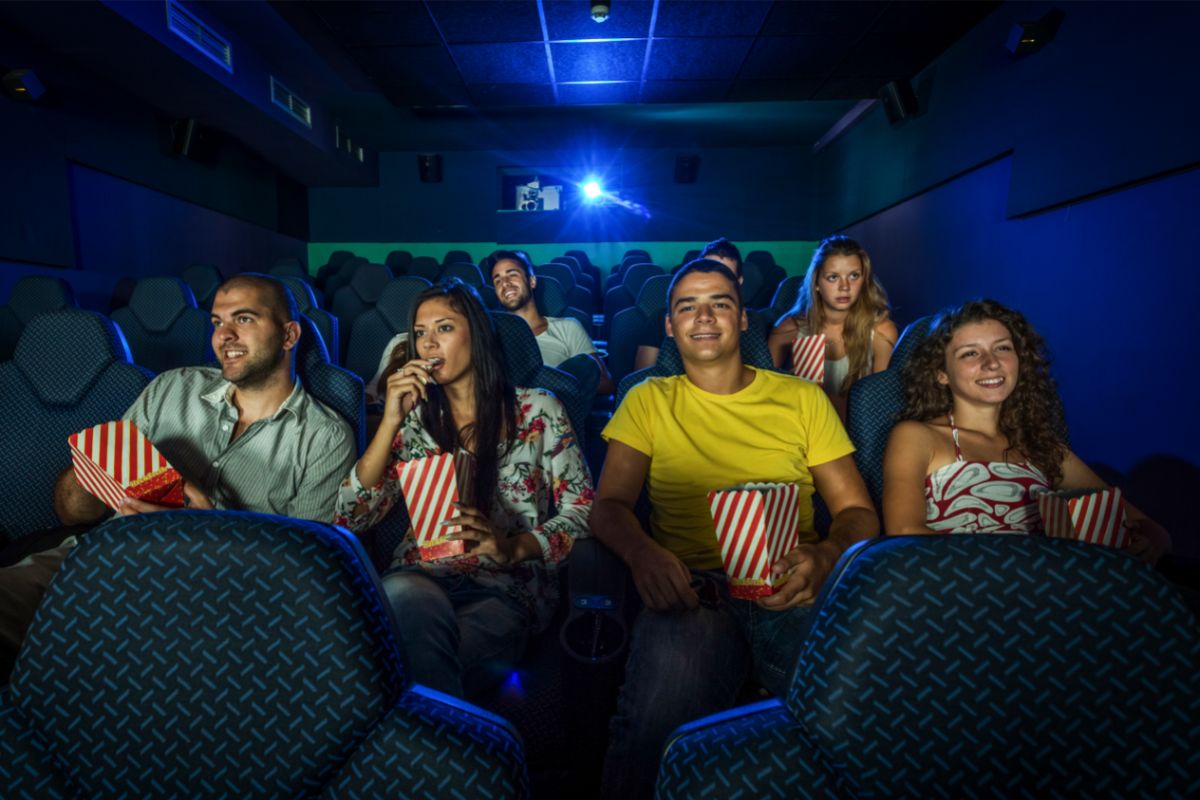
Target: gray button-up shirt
290,463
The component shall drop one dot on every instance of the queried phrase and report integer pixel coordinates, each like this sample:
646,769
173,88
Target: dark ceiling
544,53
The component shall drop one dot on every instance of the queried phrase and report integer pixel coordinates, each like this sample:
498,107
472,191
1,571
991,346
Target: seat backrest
326,323
457,257
425,267
638,274
914,333
71,370
785,297
373,329
627,328
581,257
338,388
652,299
312,691
397,261
331,267
1053,663
523,361
289,267
559,272
204,280
752,284
361,294
572,263
636,253
466,272
164,327
549,296
30,296
689,256
762,257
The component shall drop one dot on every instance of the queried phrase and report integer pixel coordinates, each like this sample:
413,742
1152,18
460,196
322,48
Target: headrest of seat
37,294
912,336
521,354
369,280
62,353
221,620
652,298
1017,654
305,299
396,299
311,349
551,299
158,302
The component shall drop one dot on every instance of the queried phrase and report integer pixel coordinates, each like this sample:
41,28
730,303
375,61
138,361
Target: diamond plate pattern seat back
549,296
361,293
457,257
785,297
326,323
164,327
559,272
426,267
203,280
523,361
1047,667
30,296
239,655
373,329
290,267
752,284
398,261
338,388
638,274
71,370
466,272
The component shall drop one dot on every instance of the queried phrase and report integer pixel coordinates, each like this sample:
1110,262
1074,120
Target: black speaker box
686,168
899,101
429,167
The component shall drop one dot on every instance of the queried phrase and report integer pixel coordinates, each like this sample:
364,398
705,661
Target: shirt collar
222,395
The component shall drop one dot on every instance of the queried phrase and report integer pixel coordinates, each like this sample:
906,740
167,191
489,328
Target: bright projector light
592,190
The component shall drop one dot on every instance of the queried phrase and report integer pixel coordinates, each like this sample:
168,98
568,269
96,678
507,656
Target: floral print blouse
541,470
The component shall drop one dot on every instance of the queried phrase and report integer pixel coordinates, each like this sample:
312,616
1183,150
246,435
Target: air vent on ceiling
188,27
286,99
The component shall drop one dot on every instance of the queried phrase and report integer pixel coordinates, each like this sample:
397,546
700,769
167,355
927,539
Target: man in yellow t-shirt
719,424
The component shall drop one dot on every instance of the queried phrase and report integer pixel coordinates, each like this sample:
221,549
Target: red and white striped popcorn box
430,491
1095,516
756,524
808,357
115,460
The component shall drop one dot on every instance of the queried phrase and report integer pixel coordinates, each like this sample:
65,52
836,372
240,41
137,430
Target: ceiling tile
427,64
798,19
712,19
684,91
599,61
488,20
355,24
502,63
572,19
592,93
697,59
792,57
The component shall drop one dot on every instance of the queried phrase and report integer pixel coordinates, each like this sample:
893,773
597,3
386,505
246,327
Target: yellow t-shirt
771,431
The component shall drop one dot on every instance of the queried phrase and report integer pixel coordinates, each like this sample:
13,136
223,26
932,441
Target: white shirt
563,338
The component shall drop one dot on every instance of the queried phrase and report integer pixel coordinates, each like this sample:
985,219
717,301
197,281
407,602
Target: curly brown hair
1027,416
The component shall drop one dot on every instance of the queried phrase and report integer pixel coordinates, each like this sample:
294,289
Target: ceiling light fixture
600,10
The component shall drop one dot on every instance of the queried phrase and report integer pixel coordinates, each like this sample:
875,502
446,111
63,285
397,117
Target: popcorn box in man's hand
431,488
115,460
756,525
808,357
1095,516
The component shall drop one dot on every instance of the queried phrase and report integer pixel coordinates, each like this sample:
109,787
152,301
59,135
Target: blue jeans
684,665
459,637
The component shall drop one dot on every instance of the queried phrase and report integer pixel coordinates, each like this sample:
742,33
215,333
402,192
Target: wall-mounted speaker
899,100
192,140
429,167
1029,37
686,168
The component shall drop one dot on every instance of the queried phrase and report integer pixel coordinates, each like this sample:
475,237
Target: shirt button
216,463
225,427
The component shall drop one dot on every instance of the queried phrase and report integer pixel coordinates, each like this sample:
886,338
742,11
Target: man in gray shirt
245,436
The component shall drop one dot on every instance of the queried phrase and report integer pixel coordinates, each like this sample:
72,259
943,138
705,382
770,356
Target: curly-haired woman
841,298
977,441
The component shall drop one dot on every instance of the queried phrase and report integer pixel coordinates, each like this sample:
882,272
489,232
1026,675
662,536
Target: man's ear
745,320
291,334
667,326
533,281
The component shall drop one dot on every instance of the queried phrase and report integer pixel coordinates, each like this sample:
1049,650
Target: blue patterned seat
786,294
224,654
523,360
164,327
426,267
971,666
552,301
372,330
338,388
457,257
359,295
290,267
71,370
310,306
203,280
331,267
397,261
30,296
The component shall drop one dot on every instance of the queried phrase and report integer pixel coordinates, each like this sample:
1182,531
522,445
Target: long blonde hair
870,309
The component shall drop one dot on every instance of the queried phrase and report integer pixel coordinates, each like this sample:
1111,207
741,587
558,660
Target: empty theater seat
373,329
970,666
338,388
163,326
309,305
30,296
238,655
71,370
359,295
203,280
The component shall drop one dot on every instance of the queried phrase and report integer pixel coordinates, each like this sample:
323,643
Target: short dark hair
518,256
705,265
275,293
724,248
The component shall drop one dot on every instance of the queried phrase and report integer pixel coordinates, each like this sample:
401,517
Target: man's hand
192,498
806,569
195,499
662,580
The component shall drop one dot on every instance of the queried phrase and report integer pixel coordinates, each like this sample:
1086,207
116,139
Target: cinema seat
164,327
786,294
426,267
290,267
551,300
359,295
373,329
310,305
970,666
525,367
30,296
71,370
338,388
206,654
203,280
397,261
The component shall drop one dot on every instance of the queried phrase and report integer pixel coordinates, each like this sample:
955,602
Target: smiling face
250,343
442,334
840,282
981,363
514,287
705,318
